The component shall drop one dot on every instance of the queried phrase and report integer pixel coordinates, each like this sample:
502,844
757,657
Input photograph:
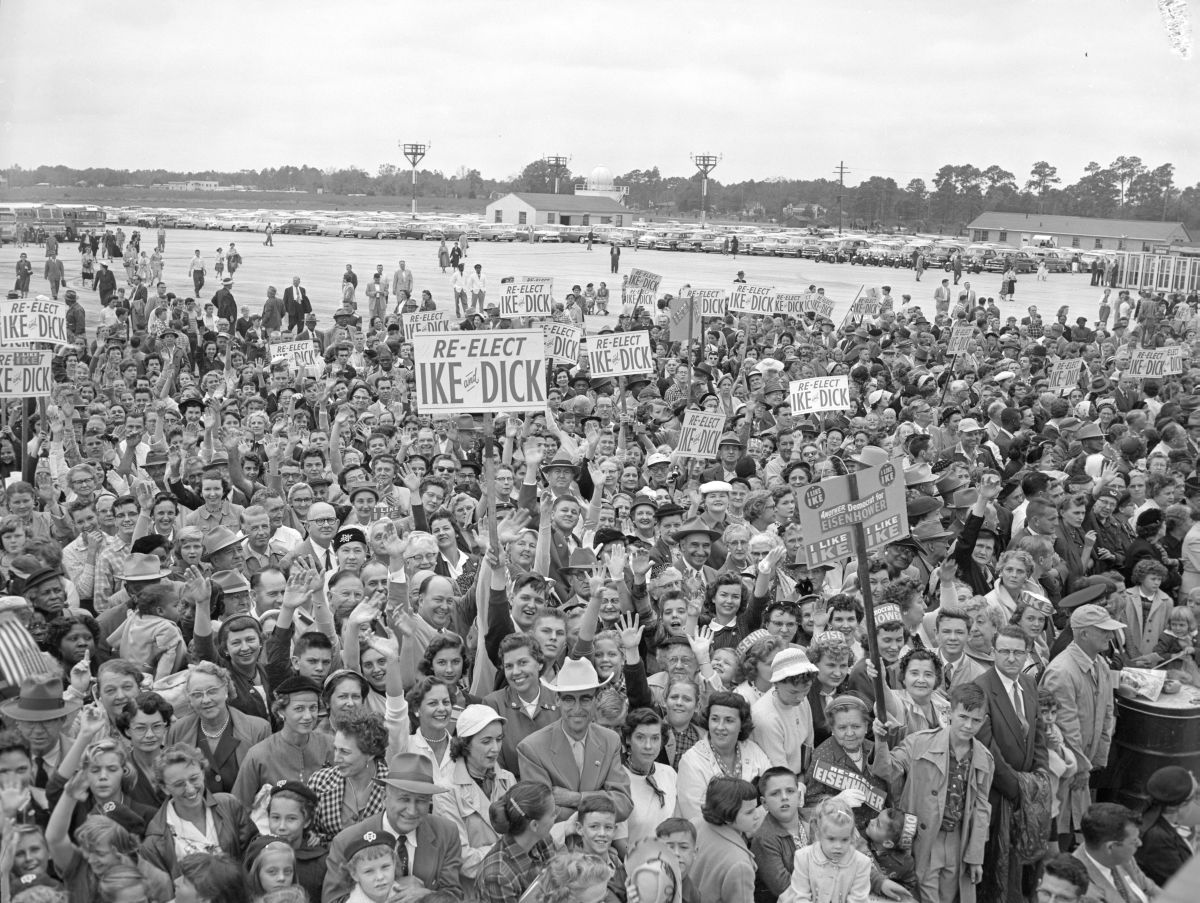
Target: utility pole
841,174
706,163
414,153
557,164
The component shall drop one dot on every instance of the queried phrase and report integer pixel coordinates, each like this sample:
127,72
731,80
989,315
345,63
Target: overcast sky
893,87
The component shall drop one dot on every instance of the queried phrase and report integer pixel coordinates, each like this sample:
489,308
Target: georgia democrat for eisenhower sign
480,372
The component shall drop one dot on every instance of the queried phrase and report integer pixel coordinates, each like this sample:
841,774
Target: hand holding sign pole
864,585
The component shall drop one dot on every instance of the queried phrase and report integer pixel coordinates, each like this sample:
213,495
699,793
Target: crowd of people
276,635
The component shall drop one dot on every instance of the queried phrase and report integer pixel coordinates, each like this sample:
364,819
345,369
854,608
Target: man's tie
1018,703
328,560
949,675
577,751
40,778
402,856
916,642
1122,887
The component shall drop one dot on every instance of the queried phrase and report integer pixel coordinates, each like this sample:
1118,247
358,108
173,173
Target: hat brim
799,671
575,688
408,786
13,709
678,535
219,549
146,577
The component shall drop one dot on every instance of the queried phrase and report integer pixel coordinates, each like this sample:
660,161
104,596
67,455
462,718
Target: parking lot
320,263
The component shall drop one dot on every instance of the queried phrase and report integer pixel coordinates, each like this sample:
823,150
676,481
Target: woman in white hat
476,782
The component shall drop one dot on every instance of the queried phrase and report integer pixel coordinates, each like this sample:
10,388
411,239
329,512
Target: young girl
30,857
830,870
756,659
1062,763
1179,637
273,868
290,810
372,865
1144,609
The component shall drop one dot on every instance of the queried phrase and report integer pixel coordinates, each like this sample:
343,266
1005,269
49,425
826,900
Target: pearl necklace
217,734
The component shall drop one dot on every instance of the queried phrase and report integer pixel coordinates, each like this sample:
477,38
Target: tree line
1127,188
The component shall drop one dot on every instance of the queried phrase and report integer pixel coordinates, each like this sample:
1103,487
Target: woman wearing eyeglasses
222,733
144,723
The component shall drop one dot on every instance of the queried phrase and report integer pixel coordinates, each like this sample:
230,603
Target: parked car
297,227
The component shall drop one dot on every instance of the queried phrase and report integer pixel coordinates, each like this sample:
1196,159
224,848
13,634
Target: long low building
1084,233
522,208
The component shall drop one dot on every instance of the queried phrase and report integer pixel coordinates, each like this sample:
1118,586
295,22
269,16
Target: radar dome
601,179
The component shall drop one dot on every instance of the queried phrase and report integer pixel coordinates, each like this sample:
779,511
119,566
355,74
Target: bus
65,222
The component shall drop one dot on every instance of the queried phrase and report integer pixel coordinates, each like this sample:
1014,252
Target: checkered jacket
330,788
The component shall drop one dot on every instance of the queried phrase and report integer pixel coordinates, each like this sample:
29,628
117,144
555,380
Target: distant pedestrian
733,246
233,258
270,240
219,263
196,271
55,275
443,256
24,271
590,238
350,288
162,240
614,258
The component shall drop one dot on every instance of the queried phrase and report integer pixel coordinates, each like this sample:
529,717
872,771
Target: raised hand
701,642
616,563
14,795
196,587
630,631
640,563
412,479
533,454
510,528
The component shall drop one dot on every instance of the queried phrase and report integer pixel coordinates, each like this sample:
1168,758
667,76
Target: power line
841,174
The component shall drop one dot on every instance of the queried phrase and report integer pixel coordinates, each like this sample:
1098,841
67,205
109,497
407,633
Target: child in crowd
30,858
1144,609
1180,634
290,811
596,826
783,832
885,835
274,867
679,836
1062,763
830,870
150,636
372,866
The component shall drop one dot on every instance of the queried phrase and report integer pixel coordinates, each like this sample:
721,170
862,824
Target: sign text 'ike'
828,514
824,393
528,299
25,374
33,320
480,372
620,354
700,435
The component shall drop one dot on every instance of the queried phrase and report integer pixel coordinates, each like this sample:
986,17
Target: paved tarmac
320,263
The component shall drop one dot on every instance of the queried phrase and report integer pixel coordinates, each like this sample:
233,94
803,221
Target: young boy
943,778
885,835
679,836
782,833
597,826
372,866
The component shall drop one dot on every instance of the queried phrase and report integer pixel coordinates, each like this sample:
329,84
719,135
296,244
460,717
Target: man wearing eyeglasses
322,524
1016,737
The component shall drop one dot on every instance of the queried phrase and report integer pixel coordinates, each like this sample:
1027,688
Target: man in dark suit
1014,734
295,304
575,756
428,851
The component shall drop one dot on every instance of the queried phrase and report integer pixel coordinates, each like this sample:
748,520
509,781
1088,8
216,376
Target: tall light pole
557,164
706,163
414,153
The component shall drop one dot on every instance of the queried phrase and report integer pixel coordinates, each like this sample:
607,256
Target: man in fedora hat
39,714
428,850
575,756
694,542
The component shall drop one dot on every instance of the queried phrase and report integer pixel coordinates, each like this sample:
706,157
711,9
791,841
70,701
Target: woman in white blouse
727,751
652,785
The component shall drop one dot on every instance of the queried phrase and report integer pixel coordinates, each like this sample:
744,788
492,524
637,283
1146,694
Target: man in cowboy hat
428,850
39,714
575,756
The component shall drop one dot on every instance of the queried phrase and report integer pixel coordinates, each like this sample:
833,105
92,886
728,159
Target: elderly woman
349,790
237,647
726,750
477,782
223,734
1150,528
192,820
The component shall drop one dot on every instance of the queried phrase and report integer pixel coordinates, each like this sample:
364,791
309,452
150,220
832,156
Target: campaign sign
425,321
480,372
684,323
752,299
711,302
1064,376
33,320
562,341
297,355
827,515
825,393
960,339
867,304
1154,363
620,354
527,299
819,303
700,435
840,778
25,374
643,279
791,304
